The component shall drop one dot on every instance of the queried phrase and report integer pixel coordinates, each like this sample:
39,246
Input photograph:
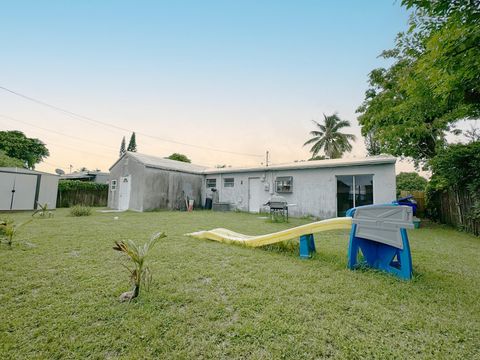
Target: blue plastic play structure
379,234
378,239
307,246
408,201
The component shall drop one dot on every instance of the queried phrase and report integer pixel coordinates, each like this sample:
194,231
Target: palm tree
140,273
329,138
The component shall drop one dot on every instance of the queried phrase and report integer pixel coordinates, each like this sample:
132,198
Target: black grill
278,206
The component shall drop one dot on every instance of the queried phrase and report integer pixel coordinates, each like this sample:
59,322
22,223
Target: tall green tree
123,150
434,80
329,138
179,157
132,144
16,145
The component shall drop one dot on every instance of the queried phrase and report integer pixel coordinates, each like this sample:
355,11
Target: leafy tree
434,80
16,145
7,161
410,181
329,138
132,144
122,147
372,145
473,134
179,157
456,168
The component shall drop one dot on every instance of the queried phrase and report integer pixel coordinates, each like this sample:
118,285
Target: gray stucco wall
314,190
125,167
153,188
168,189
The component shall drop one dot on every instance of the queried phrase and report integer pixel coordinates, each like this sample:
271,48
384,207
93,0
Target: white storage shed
23,189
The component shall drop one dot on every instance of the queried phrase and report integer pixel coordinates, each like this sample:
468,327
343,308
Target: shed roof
23,171
164,164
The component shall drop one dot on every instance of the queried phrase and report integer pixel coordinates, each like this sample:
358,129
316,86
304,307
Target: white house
322,188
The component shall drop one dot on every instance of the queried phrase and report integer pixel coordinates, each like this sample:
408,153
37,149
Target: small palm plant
43,211
140,273
8,229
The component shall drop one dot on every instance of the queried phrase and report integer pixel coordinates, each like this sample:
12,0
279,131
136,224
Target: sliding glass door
352,191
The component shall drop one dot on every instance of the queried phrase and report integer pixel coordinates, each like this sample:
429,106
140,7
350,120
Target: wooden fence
87,197
419,197
455,208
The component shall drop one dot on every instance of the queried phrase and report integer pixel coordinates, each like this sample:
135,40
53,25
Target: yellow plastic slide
228,236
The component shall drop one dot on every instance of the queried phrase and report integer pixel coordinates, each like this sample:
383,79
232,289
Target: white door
17,191
124,193
256,195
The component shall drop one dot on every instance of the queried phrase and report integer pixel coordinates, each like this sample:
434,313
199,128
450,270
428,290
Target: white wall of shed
48,191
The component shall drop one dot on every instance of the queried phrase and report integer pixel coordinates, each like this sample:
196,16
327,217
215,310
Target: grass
59,288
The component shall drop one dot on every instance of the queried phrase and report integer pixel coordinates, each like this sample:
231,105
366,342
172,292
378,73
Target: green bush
80,210
457,168
410,181
71,185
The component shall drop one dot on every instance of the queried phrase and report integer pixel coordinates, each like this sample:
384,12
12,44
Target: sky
220,81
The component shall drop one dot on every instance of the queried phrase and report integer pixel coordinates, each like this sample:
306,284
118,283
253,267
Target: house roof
83,175
164,164
314,164
173,165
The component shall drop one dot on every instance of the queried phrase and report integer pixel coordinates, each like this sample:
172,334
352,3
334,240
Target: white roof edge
316,164
202,170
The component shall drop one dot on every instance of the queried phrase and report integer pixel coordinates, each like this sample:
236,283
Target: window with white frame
228,182
113,185
211,183
284,184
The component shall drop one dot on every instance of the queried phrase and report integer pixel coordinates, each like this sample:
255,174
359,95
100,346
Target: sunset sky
242,77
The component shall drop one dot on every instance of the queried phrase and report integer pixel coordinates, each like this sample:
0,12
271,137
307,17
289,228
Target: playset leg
307,246
381,256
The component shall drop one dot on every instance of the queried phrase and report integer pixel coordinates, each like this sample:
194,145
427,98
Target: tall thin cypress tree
122,147
132,145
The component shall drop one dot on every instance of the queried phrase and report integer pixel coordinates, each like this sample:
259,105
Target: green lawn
59,288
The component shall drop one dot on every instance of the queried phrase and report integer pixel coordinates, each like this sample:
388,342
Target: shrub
8,229
42,211
456,168
410,181
80,210
72,185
